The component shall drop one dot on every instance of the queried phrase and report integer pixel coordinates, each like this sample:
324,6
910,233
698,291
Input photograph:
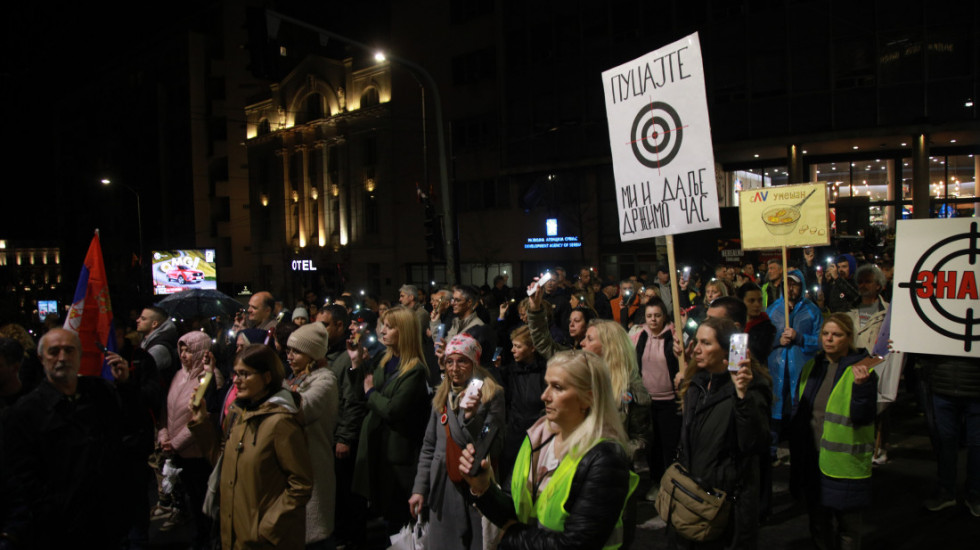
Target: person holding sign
832,436
797,341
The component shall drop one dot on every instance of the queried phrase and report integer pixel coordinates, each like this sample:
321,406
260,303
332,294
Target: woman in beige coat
266,475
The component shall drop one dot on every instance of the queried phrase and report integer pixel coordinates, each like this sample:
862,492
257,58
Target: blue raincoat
786,362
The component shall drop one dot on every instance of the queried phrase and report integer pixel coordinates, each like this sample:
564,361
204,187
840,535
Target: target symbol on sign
656,135
925,292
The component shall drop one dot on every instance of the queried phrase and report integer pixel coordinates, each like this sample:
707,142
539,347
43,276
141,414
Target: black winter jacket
523,385
599,489
722,437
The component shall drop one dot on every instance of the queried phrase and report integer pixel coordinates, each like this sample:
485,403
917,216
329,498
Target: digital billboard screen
177,270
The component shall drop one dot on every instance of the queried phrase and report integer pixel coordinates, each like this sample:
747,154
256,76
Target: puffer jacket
722,437
266,474
182,387
951,376
598,492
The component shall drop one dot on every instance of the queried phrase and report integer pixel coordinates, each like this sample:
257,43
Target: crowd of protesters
504,418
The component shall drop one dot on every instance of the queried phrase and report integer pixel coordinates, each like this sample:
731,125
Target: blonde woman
572,475
458,418
397,399
609,340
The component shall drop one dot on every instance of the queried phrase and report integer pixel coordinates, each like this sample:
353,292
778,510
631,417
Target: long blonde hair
489,390
409,345
618,354
589,377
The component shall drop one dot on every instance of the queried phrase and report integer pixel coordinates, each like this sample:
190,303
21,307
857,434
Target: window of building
474,67
473,133
461,11
370,98
482,194
264,127
312,109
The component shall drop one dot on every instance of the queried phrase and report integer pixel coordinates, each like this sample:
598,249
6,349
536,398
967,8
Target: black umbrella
197,302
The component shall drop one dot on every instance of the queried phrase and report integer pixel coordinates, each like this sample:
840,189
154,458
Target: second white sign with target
660,138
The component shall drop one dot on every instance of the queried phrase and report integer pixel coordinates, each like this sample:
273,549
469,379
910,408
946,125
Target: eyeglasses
242,375
455,299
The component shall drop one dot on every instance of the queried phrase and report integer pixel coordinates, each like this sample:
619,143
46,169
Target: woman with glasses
572,476
397,399
459,417
316,385
266,474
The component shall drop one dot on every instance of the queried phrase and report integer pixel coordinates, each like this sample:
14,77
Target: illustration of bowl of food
781,219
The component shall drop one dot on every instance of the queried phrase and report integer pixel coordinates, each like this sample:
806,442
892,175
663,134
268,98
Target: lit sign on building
303,265
552,239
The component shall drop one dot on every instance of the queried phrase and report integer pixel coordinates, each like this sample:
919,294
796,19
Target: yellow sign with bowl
787,215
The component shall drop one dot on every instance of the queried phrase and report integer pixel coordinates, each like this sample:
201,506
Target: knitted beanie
301,313
465,345
310,339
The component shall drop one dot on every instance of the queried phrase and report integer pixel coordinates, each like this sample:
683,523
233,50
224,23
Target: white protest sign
663,162
935,298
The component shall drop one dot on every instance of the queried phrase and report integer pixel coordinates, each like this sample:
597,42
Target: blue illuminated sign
552,239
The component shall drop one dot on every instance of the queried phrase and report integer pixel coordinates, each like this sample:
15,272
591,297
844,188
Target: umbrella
200,303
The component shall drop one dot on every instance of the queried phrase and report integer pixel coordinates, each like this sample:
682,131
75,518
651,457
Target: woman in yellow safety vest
572,477
832,436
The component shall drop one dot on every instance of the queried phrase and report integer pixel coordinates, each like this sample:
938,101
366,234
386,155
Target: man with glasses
464,309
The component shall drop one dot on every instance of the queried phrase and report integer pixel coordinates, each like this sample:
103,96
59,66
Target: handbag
411,536
211,499
695,513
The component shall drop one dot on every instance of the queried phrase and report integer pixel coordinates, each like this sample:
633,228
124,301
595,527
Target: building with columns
323,180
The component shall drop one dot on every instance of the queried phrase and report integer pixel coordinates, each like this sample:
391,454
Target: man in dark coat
64,445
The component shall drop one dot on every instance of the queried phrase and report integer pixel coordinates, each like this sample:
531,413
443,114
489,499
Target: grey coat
453,523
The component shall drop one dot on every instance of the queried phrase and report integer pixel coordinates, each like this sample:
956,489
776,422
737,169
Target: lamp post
449,234
139,214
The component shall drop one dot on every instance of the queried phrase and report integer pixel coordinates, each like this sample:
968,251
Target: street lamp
272,25
139,213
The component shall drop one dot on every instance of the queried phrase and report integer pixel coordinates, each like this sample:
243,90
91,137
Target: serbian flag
91,313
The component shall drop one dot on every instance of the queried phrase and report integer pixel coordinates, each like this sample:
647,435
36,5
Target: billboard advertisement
177,270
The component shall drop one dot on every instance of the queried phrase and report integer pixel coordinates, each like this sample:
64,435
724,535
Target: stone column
920,176
303,212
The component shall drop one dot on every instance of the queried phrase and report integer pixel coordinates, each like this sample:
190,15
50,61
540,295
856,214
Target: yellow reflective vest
845,449
549,508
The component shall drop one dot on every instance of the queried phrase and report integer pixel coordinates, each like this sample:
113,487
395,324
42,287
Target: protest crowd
532,416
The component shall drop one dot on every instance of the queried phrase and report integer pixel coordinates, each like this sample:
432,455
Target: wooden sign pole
785,289
675,301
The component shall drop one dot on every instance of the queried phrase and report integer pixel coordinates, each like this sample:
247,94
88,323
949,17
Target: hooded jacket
786,362
182,387
266,475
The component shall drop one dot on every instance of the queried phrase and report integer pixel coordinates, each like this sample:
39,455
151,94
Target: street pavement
896,521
